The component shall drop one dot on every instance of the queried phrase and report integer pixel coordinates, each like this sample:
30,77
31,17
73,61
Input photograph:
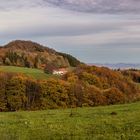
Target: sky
94,31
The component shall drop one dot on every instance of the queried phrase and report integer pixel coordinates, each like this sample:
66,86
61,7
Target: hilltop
33,55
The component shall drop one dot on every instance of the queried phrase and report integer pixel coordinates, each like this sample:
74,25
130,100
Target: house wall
59,72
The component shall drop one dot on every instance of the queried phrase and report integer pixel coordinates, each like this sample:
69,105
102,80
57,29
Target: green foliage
72,60
12,56
37,62
7,61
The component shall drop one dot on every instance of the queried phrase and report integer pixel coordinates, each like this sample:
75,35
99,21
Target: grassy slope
35,73
86,123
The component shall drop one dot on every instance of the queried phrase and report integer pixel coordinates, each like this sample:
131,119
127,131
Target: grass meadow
34,73
118,122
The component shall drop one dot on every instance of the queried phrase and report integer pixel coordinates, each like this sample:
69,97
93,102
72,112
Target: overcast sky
95,31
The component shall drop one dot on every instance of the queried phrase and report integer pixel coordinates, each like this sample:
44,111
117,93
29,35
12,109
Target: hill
33,55
118,65
118,122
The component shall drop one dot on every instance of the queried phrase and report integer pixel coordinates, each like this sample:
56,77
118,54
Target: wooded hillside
85,86
33,55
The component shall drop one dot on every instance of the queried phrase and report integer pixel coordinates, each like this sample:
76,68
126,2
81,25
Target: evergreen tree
7,61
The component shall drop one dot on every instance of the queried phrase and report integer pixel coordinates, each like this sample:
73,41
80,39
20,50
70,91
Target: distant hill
33,55
119,65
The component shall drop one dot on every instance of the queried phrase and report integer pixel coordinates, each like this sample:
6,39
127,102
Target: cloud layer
100,6
92,30
90,6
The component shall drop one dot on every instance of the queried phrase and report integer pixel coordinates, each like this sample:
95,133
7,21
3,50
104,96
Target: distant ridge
118,65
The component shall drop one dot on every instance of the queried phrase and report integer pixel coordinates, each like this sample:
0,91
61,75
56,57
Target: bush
113,96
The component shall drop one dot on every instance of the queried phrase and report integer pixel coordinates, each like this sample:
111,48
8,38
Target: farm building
60,71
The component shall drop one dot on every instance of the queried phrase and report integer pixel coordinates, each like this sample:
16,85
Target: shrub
113,96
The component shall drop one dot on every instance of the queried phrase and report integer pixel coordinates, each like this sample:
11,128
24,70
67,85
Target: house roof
61,69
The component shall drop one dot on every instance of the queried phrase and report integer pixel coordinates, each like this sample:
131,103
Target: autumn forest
82,86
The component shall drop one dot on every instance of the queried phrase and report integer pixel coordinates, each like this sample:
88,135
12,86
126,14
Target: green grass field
98,123
35,73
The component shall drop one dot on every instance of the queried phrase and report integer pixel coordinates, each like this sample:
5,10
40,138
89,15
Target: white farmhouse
61,71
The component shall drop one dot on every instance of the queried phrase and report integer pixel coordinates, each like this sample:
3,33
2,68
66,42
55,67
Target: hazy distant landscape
118,65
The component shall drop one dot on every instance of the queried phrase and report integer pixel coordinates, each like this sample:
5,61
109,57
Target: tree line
79,88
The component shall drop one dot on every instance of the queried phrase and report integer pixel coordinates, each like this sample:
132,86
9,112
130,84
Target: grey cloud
89,6
109,37
60,30
99,6
17,4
